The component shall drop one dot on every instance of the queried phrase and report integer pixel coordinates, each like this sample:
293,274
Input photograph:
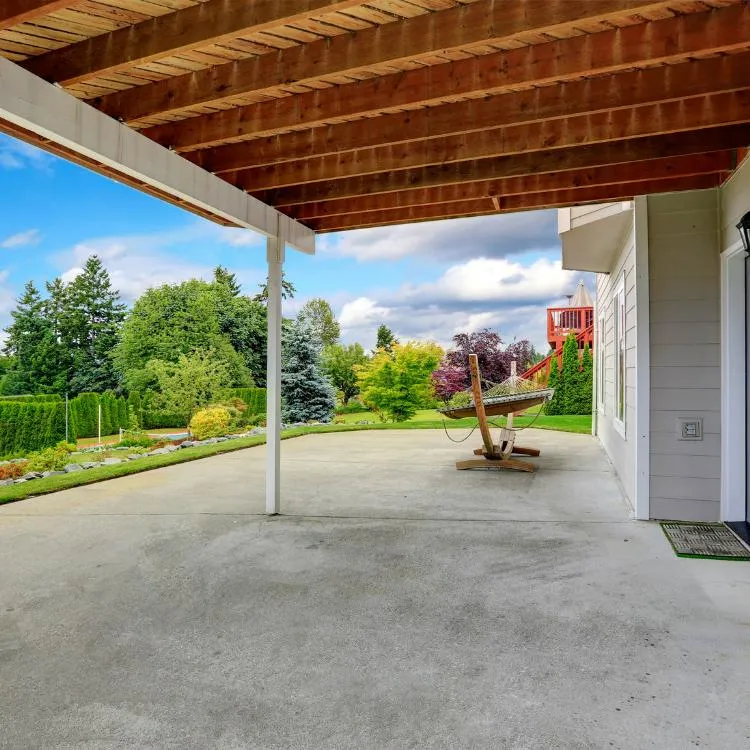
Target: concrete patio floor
400,604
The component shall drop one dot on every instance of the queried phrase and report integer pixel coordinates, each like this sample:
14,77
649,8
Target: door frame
734,384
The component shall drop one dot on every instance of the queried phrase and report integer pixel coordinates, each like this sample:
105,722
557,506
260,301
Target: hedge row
255,398
27,426
37,397
152,420
84,414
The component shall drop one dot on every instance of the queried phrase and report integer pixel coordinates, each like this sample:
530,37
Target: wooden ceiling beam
605,93
485,206
210,22
539,162
14,12
671,39
729,108
486,21
719,162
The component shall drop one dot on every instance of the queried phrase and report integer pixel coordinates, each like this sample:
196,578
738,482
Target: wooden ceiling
351,114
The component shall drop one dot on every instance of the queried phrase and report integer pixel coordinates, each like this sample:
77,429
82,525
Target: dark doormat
710,540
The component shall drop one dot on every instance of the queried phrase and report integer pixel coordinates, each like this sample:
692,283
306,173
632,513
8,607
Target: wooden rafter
485,206
207,23
621,91
13,12
671,39
465,25
656,119
541,162
657,169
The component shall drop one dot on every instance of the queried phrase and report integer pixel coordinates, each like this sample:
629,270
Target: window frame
619,397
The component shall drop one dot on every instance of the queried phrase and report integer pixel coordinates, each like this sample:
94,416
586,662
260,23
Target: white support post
275,254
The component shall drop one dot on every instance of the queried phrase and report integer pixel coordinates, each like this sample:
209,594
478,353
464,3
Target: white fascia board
55,115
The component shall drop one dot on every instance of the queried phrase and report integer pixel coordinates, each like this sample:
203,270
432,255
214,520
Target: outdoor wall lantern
744,228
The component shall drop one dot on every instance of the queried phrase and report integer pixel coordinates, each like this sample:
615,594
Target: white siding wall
621,449
735,203
685,353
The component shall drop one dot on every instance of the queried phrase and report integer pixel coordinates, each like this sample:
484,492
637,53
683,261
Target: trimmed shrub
85,411
51,459
35,397
352,407
153,420
255,398
211,422
30,426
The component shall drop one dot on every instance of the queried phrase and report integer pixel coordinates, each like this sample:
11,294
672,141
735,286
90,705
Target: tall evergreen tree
553,406
55,310
585,383
385,339
224,276
31,343
288,290
571,366
306,392
91,324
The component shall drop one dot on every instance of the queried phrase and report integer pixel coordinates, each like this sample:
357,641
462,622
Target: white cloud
21,239
360,312
508,296
496,280
16,154
138,262
484,236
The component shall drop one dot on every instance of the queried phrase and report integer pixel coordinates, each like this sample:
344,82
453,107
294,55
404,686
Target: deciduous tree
398,383
193,381
318,316
340,363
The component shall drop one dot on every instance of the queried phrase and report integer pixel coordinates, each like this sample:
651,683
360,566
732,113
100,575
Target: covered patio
391,608
298,118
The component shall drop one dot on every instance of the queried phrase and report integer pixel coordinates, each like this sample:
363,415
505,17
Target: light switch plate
689,428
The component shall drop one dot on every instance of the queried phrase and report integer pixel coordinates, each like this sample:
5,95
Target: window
619,347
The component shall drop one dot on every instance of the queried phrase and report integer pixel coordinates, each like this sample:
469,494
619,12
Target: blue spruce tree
306,393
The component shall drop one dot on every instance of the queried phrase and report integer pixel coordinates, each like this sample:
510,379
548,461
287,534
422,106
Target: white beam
56,118
275,255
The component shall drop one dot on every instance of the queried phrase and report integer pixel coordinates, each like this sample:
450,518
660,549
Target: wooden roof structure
346,114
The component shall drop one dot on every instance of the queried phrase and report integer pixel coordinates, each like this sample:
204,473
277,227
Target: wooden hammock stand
498,455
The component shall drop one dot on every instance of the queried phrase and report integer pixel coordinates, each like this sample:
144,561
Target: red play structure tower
577,318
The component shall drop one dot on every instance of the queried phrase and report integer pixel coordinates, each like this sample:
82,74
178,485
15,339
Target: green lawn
430,419
425,419
112,439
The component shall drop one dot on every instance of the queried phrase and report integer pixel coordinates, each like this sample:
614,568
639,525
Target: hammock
512,395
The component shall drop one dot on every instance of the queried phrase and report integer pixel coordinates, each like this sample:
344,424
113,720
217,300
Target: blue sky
425,281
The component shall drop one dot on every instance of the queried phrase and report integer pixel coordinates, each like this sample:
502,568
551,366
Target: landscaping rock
72,467
221,439
20,481
111,461
89,464
133,456
171,448
187,444
52,473
158,452
4,482
32,475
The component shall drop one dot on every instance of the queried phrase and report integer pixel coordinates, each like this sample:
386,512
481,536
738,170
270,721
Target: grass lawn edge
38,487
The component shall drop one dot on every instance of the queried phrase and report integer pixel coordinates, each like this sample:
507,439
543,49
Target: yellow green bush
213,421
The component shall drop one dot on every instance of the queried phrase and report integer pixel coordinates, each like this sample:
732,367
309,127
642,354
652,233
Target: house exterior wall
734,202
618,440
685,375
